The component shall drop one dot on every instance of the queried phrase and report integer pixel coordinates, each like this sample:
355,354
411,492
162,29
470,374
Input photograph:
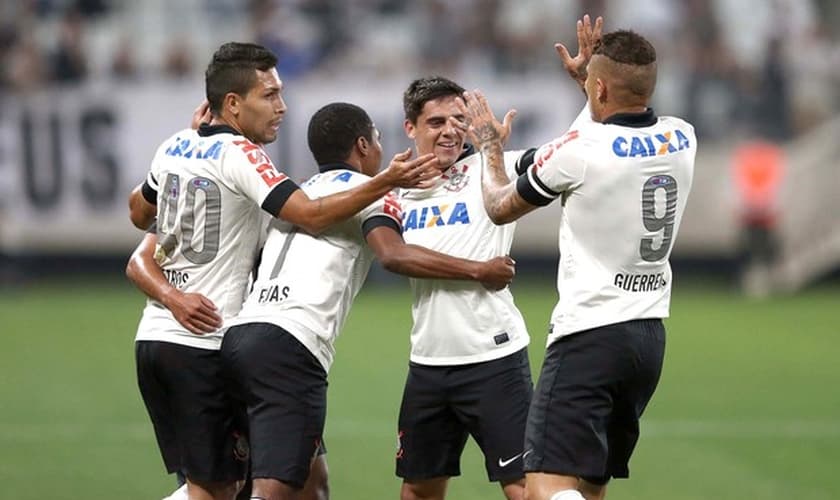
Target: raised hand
201,115
194,311
407,173
497,272
480,123
588,36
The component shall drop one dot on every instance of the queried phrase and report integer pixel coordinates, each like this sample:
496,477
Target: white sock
567,495
179,494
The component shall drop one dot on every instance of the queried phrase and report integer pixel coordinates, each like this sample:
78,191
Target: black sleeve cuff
278,197
379,221
529,194
149,193
525,161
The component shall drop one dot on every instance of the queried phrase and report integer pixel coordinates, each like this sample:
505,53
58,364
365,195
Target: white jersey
624,186
210,185
459,322
306,284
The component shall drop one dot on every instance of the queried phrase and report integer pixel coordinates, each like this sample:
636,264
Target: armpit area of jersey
532,189
278,196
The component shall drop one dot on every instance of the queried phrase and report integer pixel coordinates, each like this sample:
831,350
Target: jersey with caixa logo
459,322
306,284
624,185
210,186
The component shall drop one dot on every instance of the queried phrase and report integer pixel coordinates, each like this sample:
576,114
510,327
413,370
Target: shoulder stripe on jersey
529,193
380,220
149,193
525,161
278,196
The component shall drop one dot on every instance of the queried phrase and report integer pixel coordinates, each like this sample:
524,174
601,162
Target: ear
232,102
362,146
410,129
601,92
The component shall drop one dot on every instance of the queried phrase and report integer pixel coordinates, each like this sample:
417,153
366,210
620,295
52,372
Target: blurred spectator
293,37
69,61
124,61
177,61
758,170
709,91
24,64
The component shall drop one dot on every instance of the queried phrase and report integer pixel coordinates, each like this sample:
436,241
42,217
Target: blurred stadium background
748,404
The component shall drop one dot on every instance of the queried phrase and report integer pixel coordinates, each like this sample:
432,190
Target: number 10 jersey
210,187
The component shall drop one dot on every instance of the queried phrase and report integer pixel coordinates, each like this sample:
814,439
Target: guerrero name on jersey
460,322
209,186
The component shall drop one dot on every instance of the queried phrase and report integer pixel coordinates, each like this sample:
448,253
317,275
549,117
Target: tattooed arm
501,200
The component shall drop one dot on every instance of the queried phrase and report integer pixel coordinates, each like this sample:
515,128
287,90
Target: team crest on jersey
456,178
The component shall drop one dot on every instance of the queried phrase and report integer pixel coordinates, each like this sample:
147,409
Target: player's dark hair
636,62
233,69
626,47
333,131
423,90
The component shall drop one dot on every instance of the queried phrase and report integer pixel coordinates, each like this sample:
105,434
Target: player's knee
431,489
567,495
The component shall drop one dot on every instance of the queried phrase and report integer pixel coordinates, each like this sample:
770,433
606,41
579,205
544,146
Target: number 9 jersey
623,184
210,186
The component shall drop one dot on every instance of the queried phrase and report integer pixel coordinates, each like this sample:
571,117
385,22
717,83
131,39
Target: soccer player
469,372
623,177
281,345
208,186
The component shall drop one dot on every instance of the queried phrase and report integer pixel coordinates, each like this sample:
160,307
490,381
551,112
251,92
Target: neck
634,108
226,120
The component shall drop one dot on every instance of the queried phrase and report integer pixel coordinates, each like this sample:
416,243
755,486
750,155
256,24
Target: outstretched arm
193,311
419,262
316,215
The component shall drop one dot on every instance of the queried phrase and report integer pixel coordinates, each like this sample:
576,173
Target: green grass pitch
748,405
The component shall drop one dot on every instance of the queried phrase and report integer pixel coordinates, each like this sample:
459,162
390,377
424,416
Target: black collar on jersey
326,167
469,149
205,129
635,120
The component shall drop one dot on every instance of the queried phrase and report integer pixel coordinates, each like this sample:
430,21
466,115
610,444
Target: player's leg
285,388
565,436
192,415
317,485
431,438
492,399
645,343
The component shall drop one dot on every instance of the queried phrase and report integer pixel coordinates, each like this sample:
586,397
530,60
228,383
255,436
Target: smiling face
432,132
261,110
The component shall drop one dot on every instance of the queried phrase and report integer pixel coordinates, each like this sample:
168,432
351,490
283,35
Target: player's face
434,134
373,161
263,108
